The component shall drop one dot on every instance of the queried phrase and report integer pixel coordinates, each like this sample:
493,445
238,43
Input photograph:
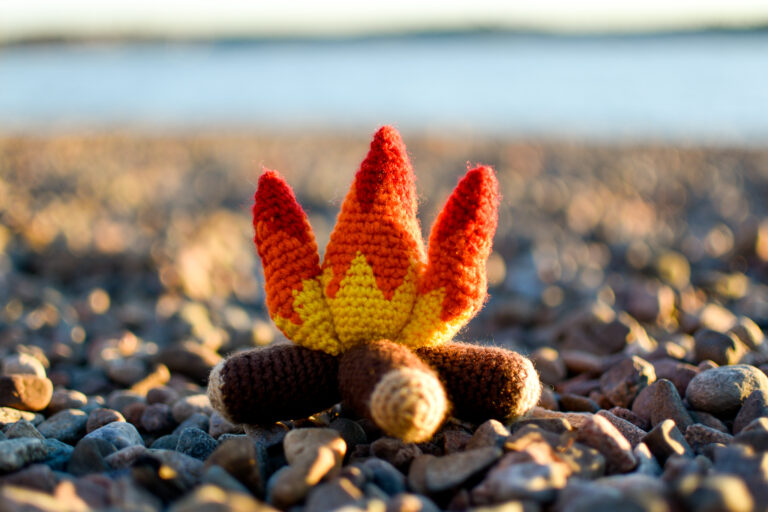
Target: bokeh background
629,140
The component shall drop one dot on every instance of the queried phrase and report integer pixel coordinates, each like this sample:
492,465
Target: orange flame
378,218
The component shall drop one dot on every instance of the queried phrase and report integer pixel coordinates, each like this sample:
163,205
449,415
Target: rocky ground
636,277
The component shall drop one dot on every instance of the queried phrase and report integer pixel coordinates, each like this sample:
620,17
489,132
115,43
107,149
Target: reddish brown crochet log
484,382
280,382
390,384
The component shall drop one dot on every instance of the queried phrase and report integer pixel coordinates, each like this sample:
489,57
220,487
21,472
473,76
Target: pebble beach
635,276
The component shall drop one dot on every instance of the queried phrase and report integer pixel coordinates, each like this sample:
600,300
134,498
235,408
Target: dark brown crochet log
280,382
484,382
390,384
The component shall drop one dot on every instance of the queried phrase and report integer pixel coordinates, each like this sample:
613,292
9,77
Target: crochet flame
376,280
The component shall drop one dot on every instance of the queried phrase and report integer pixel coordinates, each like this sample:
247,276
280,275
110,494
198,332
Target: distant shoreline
128,38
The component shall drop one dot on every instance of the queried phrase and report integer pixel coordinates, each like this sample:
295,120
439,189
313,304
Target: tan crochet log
391,385
485,382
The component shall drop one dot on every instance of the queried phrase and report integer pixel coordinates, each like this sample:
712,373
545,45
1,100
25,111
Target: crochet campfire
373,324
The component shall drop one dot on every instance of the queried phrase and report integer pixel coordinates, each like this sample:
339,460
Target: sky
21,19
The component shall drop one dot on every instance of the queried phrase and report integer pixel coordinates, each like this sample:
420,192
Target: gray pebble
196,443
717,493
88,456
722,391
352,433
196,420
58,454
384,475
118,433
665,440
718,347
157,418
66,399
755,406
67,426
185,407
22,428
168,442
17,453
699,435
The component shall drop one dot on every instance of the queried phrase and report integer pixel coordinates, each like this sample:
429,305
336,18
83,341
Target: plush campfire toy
373,324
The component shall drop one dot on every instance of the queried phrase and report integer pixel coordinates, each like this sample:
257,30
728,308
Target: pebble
120,399
17,498
196,443
168,442
709,420
632,432
244,459
125,458
749,333
667,404
718,347
722,391
384,475
396,452
678,372
665,440
549,364
601,435
216,475
522,481
58,454
118,433
716,493
37,476
556,425
162,395
755,406
631,417
623,381
88,456
757,424
337,494
646,462
22,428
408,502
185,407
67,426
489,433
218,425
291,484
11,415
189,358
698,435
25,392
303,442
66,399
449,471
23,364
454,440
100,417
576,403
578,361
211,498
196,420
167,474
17,453
157,418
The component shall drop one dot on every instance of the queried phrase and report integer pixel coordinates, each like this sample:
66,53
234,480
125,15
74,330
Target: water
698,87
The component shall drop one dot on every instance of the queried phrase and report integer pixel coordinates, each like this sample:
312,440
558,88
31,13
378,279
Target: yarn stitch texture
376,281
373,323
